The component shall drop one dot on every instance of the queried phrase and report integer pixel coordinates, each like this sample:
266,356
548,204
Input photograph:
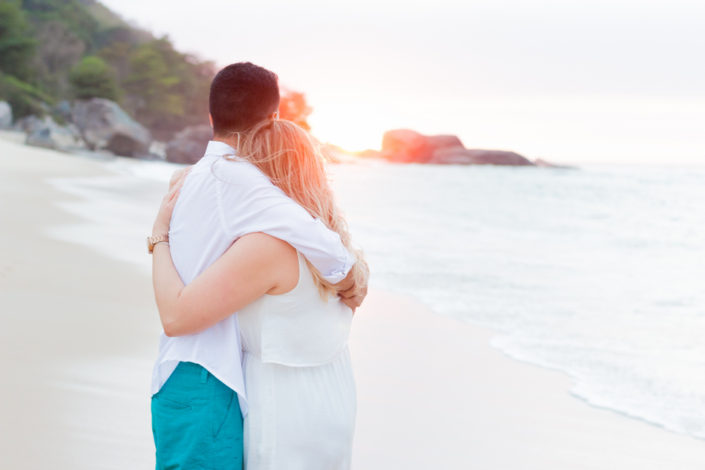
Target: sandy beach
80,333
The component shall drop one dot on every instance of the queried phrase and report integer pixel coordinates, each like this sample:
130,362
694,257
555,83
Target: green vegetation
93,78
54,50
165,87
23,97
16,43
71,13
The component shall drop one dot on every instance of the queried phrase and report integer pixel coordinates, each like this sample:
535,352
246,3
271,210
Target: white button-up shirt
220,201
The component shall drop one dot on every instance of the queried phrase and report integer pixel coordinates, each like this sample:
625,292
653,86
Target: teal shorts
196,422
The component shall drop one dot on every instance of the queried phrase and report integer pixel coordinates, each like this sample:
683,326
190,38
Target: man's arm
250,203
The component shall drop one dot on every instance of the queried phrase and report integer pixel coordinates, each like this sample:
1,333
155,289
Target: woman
299,382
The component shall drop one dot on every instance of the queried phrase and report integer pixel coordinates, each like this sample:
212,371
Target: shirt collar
218,149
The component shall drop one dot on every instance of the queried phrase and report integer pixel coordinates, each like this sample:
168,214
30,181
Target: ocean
598,272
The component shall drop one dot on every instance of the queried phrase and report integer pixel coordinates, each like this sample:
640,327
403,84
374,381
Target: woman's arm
247,270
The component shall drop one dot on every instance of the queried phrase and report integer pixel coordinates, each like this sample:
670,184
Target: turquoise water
597,272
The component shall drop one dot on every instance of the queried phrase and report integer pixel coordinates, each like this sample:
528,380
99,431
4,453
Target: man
198,381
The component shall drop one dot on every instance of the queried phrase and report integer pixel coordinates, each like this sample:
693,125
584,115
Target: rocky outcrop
62,110
498,157
104,125
407,146
480,157
189,145
438,142
45,132
452,156
5,115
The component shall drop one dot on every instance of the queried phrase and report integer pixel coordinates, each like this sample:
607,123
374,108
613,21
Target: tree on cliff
293,107
17,47
73,14
16,44
167,90
92,78
58,51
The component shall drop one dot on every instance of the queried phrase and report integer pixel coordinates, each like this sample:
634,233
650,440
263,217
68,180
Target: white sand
80,333
433,394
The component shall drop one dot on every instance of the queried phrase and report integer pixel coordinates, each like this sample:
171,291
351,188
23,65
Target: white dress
298,379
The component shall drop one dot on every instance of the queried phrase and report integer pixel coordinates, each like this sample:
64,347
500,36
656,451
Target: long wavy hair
292,160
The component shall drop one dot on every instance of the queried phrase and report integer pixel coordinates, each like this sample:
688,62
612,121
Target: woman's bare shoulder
264,240
277,257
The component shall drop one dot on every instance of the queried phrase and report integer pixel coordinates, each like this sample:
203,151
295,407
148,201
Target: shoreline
77,328
491,410
432,391
572,380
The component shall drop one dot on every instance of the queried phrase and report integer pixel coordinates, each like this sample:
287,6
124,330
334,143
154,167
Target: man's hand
351,293
178,176
353,297
163,220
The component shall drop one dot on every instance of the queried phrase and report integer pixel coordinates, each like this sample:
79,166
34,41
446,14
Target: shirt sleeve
249,202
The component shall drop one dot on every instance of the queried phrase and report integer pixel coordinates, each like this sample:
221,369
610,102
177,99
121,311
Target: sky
570,81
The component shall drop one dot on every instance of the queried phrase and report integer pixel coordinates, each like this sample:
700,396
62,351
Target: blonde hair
291,159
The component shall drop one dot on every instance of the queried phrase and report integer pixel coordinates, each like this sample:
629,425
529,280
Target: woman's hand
161,223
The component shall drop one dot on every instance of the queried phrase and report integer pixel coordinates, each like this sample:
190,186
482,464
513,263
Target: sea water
598,272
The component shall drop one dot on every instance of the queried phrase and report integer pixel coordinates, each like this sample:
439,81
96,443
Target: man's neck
231,141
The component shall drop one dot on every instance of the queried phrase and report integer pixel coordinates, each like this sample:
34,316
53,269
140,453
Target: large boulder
5,115
498,157
27,123
189,145
437,142
63,110
104,125
45,132
403,146
452,156
407,146
479,157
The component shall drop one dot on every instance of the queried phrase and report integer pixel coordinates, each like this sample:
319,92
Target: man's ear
210,119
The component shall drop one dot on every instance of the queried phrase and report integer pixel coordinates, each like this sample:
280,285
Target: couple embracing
256,282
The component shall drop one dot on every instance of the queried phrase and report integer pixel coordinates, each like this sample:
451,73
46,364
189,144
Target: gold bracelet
154,240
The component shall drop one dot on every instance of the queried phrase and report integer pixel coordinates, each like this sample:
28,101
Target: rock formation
104,125
5,115
407,146
45,132
189,145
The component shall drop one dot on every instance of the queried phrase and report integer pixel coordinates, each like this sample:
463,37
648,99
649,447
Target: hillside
55,50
